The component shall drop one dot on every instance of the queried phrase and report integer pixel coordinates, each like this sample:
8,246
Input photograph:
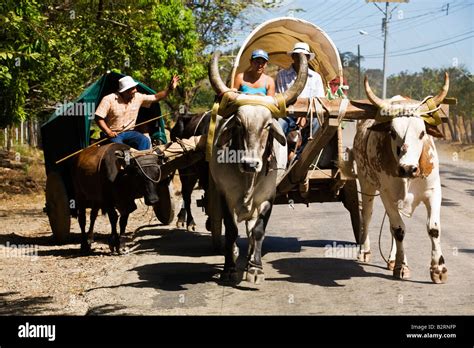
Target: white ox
398,158
247,186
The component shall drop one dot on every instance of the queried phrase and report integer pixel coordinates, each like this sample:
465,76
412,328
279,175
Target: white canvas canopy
278,36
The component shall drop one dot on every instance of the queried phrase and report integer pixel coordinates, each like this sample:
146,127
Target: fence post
446,131
21,132
27,132
467,129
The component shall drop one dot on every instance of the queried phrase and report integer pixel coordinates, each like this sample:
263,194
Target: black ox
186,127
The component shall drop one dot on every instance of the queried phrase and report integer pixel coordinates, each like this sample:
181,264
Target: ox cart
308,180
69,130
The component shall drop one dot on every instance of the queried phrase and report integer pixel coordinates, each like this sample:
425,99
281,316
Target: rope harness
144,160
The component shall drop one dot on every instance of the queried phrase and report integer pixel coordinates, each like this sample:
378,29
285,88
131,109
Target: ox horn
292,93
371,95
214,76
438,99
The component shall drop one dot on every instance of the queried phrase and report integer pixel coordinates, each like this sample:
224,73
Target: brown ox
109,178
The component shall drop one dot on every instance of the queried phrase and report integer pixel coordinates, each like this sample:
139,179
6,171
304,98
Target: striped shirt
120,115
313,88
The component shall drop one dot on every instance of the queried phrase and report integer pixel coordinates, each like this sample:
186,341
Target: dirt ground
38,277
32,280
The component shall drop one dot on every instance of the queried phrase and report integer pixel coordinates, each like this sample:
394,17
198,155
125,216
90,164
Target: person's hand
111,134
301,122
174,82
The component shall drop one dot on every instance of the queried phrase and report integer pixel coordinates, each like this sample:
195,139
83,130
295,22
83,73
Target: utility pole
385,20
385,31
358,73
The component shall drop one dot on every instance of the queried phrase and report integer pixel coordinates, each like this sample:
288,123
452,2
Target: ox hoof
391,265
180,224
255,275
439,274
364,256
191,227
85,247
114,243
229,275
401,272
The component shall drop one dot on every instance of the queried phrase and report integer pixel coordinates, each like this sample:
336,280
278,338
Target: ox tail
346,164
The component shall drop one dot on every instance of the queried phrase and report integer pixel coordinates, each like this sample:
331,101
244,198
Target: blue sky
415,26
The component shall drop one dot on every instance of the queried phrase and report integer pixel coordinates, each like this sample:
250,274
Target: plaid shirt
313,88
120,115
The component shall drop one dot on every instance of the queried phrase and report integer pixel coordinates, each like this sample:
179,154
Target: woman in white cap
117,112
254,80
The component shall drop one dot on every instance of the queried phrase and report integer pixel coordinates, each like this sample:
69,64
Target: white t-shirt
313,88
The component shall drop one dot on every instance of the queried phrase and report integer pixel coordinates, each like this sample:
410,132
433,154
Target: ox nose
407,171
151,200
250,165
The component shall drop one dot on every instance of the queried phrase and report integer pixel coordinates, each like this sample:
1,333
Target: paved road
172,271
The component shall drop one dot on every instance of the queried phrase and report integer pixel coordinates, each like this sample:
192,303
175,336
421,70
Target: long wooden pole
101,141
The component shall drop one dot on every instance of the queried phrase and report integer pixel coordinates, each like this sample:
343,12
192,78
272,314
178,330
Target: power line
342,14
332,13
419,51
426,44
399,26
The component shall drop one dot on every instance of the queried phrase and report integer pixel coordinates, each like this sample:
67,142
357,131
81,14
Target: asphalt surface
310,265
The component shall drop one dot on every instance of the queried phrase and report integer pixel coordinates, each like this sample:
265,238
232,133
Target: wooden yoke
356,110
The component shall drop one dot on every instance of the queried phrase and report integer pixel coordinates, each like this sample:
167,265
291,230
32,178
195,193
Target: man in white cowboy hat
117,112
313,88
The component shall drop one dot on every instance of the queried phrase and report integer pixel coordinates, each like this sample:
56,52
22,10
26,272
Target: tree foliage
65,45
51,50
215,19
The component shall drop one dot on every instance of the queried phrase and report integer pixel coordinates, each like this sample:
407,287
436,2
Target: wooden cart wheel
57,207
350,199
164,209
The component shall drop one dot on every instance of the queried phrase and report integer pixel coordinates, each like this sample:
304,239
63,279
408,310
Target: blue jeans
289,123
134,139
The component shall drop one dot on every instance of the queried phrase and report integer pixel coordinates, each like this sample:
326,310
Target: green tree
22,44
215,22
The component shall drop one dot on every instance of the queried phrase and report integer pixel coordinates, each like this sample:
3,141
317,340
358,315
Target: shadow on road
24,306
48,240
174,242
321,271
445,202
105,309
170,276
